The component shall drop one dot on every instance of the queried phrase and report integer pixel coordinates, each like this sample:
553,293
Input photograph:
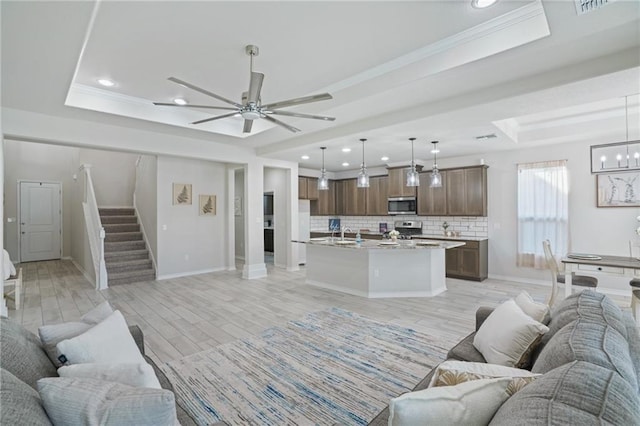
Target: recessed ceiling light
305,157
346,149
106,82
385,158
179,101
481,4
435,151
345,164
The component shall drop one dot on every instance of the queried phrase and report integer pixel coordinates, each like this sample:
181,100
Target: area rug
331,367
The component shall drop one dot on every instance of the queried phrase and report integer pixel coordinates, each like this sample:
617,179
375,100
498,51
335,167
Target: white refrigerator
304,219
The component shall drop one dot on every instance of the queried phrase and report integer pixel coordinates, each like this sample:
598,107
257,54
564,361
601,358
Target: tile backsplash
468,226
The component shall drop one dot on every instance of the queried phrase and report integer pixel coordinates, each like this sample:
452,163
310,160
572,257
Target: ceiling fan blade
203,91
218,117
254,87
247,126
300,115
193,106
298,101
280,123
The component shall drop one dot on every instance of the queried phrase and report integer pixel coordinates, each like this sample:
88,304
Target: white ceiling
531,72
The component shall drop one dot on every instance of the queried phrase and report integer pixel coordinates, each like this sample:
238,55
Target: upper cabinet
432,201
307,188
466,191
398,183
378,193
326,203
350,200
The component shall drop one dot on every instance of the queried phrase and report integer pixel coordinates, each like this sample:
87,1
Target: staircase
125,252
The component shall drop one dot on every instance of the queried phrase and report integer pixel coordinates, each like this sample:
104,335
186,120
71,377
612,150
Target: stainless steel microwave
402,205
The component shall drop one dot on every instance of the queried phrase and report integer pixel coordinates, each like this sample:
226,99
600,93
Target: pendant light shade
435,177
363,176
413,179
323,181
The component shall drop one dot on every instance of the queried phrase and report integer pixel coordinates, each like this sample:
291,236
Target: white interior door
40,221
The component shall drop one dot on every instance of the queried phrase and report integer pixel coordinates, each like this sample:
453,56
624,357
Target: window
543,211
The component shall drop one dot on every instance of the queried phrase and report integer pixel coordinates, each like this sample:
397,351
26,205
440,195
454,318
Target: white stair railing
95,231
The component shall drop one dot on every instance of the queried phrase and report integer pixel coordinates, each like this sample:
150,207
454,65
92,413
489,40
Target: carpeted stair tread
131,277
128,265
124,245
118,219
123,236
120,227
116,212
119,256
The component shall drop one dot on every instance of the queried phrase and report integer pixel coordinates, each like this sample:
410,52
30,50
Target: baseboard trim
83,272
252,272
190,273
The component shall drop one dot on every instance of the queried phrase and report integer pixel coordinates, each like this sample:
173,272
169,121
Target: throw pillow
537,311
109,342
51,335
470,403
71,401
137,375
20,403
508,336
451,373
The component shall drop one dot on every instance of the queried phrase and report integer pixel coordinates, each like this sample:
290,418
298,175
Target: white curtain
543,211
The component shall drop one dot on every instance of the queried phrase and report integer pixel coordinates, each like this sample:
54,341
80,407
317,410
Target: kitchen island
375,269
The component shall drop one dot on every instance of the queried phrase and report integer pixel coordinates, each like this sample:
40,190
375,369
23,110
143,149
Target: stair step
121,256
118,219
124,246
114,267
117,211
123,236
131,277
121,227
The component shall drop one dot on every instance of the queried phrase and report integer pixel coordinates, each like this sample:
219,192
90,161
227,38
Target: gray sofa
590,366
23,361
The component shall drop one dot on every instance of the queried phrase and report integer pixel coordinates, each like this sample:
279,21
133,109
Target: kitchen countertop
420,236
377,244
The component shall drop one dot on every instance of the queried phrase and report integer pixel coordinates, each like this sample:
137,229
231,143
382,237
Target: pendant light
413,179
323,181
363,177
435,178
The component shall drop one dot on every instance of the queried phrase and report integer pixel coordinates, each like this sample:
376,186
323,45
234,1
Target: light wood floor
187,315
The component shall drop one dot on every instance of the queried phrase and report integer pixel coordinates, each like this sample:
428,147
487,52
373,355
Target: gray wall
191,243
146,202
113,175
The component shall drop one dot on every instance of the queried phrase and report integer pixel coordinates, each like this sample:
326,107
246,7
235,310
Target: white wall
80,246
146,203
113,175
37,162
191,243
239,220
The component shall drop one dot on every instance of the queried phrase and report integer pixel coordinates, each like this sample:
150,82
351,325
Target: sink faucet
342,231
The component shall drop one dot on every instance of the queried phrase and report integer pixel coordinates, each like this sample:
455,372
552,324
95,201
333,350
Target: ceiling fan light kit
435,178
323,180
413,178
363,176
251,107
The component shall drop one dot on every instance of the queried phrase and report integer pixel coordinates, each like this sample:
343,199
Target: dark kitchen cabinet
268,240
466,191
398,183
267,204
325,205
307,188
432,201
378,193
350,200
467,262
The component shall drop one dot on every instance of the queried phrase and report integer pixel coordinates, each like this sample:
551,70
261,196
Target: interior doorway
40,221
269,228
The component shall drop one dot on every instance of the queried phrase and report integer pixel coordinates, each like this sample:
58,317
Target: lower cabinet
268,240
469,261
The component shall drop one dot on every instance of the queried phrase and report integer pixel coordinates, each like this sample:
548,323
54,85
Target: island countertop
382,244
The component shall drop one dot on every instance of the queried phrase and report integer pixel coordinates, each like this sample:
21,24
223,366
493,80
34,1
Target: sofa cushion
23,354
591,341
70,401
132,374
578,393
21,404
633,339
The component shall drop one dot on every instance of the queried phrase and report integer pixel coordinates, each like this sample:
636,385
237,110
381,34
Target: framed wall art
182,194
207,205
618,189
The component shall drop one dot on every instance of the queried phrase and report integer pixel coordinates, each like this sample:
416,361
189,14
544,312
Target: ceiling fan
251,107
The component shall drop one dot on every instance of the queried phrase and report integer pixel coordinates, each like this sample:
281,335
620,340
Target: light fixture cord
626,116
413,163
435,155
363,154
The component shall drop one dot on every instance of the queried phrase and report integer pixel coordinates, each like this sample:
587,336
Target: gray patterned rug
332,366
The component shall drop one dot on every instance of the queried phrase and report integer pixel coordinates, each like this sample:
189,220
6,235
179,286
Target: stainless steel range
408,228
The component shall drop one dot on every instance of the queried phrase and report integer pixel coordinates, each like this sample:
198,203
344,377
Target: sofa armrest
136,332
482,314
